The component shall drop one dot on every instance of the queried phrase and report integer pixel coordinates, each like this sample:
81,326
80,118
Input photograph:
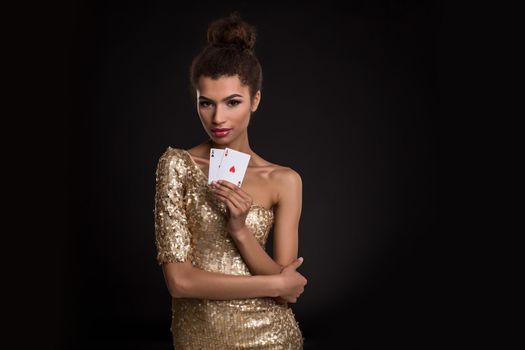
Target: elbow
178,288
280,267
177,276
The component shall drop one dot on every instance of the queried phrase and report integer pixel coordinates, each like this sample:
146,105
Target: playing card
233,166
215,160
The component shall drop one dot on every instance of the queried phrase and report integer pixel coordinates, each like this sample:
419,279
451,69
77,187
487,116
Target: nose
219,116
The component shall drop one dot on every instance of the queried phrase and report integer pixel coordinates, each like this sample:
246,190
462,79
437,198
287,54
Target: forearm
253,254
197,283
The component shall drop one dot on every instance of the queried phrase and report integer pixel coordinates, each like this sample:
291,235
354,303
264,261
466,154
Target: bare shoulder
284,175
278,174
284,180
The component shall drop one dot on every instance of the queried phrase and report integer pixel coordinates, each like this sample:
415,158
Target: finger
228,185
234,196
297,262
235,201
226,190
233,204
226,201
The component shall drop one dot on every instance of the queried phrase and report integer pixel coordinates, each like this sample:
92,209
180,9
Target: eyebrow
224,99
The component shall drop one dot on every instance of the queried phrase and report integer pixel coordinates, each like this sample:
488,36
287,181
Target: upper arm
172,235
287,216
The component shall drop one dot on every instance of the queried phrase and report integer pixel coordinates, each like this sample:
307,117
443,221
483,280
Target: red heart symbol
232,169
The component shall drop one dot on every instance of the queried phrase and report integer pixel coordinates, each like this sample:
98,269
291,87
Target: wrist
239,233
277,286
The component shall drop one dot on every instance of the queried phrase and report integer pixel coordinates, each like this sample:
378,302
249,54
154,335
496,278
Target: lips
220,132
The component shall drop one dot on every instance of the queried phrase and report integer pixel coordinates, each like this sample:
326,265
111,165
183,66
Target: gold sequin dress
191,224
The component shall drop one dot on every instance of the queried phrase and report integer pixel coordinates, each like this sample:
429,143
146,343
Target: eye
204,104
234,103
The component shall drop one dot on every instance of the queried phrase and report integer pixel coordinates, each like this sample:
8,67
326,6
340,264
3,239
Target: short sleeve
172,236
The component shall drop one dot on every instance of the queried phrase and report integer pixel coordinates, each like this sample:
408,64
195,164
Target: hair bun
232,31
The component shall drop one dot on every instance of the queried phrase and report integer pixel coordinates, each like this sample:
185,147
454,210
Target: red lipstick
220,132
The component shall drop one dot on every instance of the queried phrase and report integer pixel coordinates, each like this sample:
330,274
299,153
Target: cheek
242,113
204,113
204,117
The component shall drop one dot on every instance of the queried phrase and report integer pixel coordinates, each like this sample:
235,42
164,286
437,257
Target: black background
352,100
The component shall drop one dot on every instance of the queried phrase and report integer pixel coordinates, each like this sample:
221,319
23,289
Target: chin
221,140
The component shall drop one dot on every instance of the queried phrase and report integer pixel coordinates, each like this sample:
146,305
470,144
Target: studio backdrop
349,101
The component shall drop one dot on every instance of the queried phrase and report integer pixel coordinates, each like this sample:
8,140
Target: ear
255,101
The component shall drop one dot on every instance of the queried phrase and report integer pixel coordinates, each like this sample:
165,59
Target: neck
238,145
241,144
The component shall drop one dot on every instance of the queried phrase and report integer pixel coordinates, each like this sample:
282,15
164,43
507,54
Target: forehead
221,87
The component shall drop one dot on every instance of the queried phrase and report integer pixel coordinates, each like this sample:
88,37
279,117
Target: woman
227,292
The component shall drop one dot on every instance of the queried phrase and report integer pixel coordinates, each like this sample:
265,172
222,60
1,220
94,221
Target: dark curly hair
229,52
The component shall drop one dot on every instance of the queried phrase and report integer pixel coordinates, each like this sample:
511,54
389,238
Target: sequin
190,223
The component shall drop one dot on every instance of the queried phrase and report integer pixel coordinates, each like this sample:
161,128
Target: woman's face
225,104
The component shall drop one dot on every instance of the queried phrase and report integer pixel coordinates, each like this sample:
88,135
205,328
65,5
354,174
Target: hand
292,282
238,202
280,300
